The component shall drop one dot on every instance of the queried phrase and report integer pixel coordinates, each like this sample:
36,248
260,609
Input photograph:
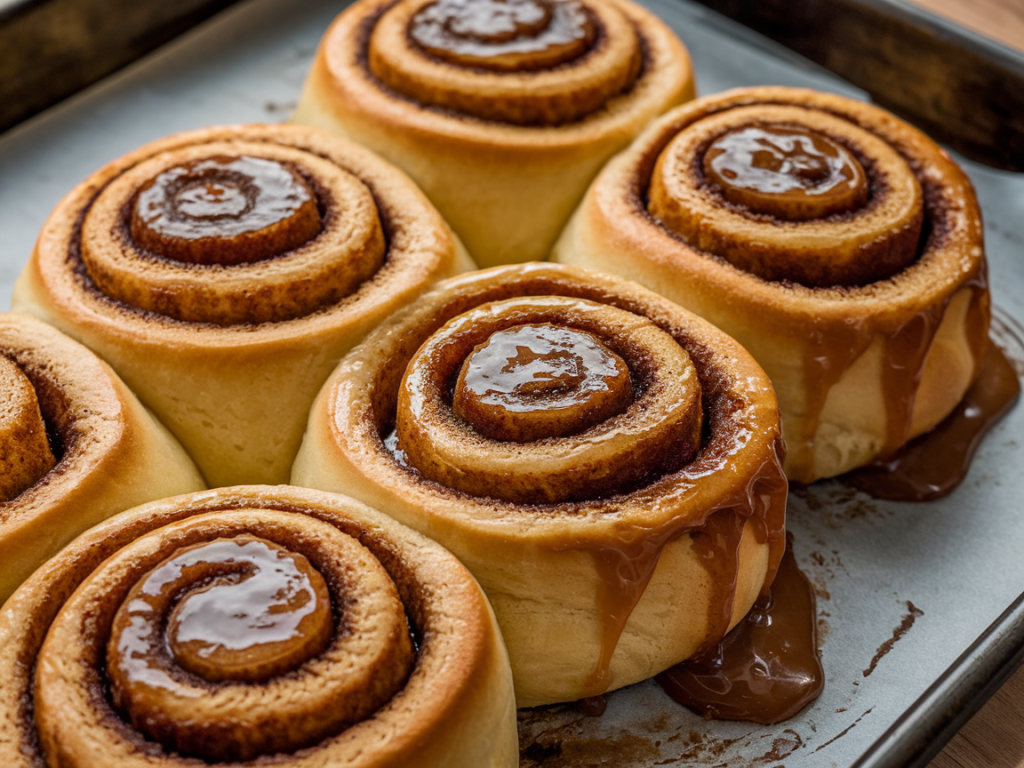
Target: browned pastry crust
445,699
108,452
504,144
228,338
861,366
596,584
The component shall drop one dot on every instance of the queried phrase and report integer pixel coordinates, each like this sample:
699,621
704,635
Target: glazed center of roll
504,34
243,609
789,173
225,210
537,381
555,399
25,455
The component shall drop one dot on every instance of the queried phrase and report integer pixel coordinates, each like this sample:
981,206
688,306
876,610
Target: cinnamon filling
539,381
504,35
789,173
25,455
225,210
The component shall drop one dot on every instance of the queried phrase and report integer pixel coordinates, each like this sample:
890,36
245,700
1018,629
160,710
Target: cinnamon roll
75,447
501,110
224,272
838,244
606,464
266,624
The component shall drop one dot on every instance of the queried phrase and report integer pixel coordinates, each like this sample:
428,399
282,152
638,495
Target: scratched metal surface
921,581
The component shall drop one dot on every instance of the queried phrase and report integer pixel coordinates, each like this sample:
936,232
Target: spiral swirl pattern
501,110
563,433
790,193
235,264
594,449
255,622
75,447
529,62
837,243
25,454
226,233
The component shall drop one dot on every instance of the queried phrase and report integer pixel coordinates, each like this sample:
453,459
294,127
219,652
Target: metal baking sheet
920,604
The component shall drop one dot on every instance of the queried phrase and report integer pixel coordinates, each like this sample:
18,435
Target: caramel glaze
536,381
225,210
657,432
626,568
504,35
934,464
25,454
258,611
905,354
793,174
767,668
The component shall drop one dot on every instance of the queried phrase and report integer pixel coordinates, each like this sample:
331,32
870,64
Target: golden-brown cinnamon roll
838,244
606,464
501,110
76,447
253,624
224,272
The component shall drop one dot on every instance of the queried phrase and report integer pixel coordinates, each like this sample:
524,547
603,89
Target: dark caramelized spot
238,609
516,35
25,455
225,210
789,173
537,381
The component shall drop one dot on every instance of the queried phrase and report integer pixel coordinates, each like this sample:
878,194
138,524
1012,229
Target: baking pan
919,604
50,49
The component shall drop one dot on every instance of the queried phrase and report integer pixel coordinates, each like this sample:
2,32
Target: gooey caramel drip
767,668
504,35
549,356
538,381
25,455
789,173
627,566
905,353
934,464
225,210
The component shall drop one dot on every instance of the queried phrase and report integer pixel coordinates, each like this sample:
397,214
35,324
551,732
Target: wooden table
994,737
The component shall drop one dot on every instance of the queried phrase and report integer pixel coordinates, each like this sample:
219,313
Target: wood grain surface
1001,20
994,737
